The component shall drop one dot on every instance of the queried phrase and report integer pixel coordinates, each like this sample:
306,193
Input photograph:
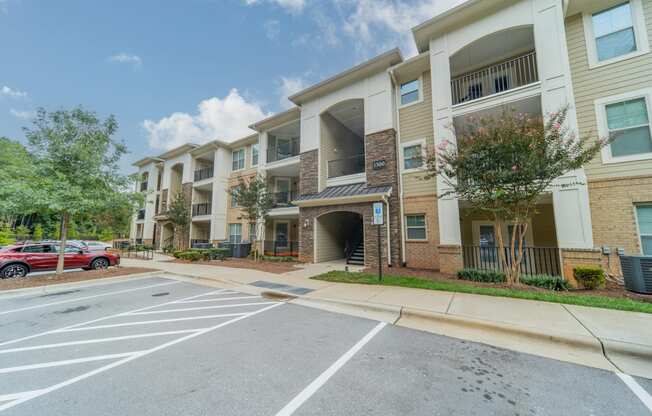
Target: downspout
389,245
398,170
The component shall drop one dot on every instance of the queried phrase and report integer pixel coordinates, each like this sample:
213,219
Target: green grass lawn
453,286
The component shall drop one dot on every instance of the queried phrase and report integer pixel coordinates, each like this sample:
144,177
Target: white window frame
418,142
640,32
420,90
425,226
603,128
235,223
244,159
638,225
252,154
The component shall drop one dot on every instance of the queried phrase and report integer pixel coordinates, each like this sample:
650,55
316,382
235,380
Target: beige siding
327,236
415,124
592,84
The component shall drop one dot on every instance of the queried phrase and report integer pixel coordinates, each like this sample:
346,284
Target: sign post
379,221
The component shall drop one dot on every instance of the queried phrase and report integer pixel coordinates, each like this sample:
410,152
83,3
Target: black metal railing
141,214
203,173
281,248
285,151
200,243
201,209
536,260
346,166
283,199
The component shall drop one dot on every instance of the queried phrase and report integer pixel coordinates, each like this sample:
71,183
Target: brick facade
450,259
309,172
423,254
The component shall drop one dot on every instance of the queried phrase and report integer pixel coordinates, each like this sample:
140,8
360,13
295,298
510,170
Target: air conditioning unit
637,272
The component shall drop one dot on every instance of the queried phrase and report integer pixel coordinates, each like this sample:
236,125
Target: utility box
637,272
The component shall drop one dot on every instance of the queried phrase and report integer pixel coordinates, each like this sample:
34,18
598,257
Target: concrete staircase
357,256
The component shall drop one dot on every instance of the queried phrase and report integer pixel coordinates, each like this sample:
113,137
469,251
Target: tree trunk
65,221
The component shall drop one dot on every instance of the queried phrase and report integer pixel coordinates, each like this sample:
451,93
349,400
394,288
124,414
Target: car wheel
14,270
100,264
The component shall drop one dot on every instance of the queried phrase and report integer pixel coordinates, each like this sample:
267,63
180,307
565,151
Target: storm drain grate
284,288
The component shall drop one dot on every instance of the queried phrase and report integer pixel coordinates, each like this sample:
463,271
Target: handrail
536,260
276,153
203,173
346,166
203,208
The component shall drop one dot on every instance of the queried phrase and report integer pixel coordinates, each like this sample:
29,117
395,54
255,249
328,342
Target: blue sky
192,70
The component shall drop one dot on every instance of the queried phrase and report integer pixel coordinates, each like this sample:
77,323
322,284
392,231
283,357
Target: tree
179,216
255,202
22,233
503,164
20,183
5,235
76,161
38,232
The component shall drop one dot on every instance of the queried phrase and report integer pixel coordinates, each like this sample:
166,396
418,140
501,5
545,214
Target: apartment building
361,136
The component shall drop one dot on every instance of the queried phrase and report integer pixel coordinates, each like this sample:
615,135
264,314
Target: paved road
162,347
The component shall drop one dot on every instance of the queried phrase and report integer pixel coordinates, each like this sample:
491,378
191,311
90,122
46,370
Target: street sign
378,213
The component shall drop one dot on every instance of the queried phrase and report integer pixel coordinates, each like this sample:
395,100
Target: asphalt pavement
157,346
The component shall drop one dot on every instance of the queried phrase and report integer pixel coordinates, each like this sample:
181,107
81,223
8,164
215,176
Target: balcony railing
285,151
201,209
504,76
141,214
536,260
200,243
347,166
281,248
283,199
203,173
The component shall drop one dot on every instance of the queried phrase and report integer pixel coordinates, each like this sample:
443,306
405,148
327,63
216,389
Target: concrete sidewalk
608,339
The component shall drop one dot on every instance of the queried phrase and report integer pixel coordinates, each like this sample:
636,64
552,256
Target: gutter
398,170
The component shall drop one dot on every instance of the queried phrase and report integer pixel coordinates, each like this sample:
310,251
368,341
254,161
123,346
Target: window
644,216
416,227
626,120
410,92
254,154
37,249
412,157
616,33
234,196
235,233
238,159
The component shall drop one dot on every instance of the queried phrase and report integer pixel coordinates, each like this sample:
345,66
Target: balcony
494,79
203,208
203,173
141,214
283,199
347,166
536,260
283,151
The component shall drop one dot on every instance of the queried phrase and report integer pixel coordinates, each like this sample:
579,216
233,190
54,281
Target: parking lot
158,346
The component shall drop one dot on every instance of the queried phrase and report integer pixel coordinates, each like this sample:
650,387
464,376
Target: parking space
198,350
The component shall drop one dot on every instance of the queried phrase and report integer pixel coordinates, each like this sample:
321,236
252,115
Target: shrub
590,277
486,276
190,255
545,281
218,253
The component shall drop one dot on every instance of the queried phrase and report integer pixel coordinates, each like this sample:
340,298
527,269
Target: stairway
357,256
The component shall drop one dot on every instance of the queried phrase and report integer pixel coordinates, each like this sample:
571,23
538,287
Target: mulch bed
265,266
611,290
52,279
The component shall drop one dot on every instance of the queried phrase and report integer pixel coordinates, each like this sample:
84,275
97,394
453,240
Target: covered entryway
339,235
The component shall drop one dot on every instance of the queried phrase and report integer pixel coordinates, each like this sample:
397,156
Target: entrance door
487,244
281,234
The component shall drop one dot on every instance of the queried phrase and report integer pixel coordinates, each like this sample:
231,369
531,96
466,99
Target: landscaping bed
611,297
278,267
68,277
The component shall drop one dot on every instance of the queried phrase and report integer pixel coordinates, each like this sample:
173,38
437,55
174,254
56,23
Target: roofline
276,119
214,144
184,148
389,58
342,199
244,141
146,161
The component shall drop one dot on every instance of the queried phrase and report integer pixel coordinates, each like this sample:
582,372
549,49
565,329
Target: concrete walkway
608,339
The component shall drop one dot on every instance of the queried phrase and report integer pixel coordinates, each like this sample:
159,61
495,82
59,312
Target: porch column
571,202
450,235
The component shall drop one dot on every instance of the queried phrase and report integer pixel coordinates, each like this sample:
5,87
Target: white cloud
123,58
289,86
272,29
293,6
9,92
217,118
24,115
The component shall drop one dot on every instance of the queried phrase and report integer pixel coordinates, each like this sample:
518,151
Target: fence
536,260
279,248
132,249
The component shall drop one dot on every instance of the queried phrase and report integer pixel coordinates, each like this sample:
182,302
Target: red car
19,260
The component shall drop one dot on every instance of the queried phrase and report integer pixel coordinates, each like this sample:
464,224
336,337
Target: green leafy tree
20,183
503,164
179,215
106,235
22,233
255,202
6,237
76,161
38,232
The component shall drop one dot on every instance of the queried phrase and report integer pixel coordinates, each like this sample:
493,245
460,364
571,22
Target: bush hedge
486,276
590,277
197,254
545,281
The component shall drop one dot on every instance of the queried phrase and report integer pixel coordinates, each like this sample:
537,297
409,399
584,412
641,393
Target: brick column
450,259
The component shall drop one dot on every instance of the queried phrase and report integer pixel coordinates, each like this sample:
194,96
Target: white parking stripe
636,388
219,299
60,363
99,340
200,308
312,388
191,318
131,358
40,334
222,292
15,396
61,302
